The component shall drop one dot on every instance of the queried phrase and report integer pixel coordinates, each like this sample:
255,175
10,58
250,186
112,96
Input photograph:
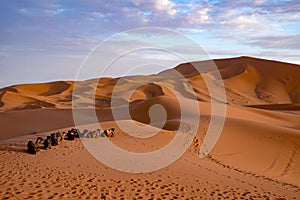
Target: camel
54,139
64,134
109,132
98,131
47,143
76,132
32,147
105,132
73,133
84,133
112,131
92,134
39,140
70,135
60,136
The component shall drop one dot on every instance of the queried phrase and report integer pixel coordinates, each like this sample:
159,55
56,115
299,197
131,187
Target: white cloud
201,16
194,15
24,12
244,23
165,5
277,41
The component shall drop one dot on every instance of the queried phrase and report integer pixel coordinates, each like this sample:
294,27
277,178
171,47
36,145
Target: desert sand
256,157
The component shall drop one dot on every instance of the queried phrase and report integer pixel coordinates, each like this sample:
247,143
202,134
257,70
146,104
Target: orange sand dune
253,81
248,81
256,157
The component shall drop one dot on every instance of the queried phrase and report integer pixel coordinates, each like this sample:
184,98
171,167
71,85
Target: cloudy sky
48,40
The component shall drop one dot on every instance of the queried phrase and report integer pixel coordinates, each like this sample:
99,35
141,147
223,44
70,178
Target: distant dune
248,81
257,155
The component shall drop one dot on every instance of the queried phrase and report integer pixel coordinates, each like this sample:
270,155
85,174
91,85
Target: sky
46,40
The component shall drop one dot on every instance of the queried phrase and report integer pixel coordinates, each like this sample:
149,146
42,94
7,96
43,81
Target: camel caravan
56,138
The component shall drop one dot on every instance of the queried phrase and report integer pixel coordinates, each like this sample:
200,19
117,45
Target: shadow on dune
56,88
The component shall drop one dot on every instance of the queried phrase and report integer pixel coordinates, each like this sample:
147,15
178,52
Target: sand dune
36,96
229,172
251,80
256,157
267,150
248,81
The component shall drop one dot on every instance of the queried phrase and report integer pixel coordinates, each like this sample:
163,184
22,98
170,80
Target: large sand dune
256,157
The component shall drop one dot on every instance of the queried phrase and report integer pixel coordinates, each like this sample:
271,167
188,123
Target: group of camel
55,138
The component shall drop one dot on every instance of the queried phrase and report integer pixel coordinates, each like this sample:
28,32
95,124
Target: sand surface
256,157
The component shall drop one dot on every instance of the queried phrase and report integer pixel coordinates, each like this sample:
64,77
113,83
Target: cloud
285,7
95,16
50,22
166,6
277,41
71,28
198,16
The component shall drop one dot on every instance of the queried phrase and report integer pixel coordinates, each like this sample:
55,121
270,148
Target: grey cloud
277,41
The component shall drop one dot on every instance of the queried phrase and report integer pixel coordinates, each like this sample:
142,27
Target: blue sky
48,40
